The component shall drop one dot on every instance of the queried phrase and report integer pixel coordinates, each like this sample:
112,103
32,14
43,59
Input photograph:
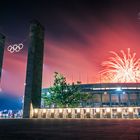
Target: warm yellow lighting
119,110
69,110
78,110
108,110
36,110
52,110
97,110
60,110
130,109
44,110
87,110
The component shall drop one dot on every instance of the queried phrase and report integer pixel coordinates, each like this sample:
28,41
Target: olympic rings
15,48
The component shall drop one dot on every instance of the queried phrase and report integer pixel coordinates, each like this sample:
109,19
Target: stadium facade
109,94
109,100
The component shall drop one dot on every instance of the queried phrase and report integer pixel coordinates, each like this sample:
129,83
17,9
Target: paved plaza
49,129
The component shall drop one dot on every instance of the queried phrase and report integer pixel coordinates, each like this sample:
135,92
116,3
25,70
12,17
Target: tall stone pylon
2,44
33,84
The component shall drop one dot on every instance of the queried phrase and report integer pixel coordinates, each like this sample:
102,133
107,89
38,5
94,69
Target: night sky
78,38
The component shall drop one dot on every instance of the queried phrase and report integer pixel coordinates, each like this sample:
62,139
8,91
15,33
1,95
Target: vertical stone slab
2,44
101,99
34,68
128,103
138,98
110,100
119,96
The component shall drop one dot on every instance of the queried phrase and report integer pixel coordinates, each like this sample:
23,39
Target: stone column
138,98
2,44
119,96
34,68
101,99
128,99
110,101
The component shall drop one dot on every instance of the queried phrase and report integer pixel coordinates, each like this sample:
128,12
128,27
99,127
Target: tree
63,94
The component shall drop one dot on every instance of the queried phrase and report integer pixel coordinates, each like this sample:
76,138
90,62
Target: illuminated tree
63,94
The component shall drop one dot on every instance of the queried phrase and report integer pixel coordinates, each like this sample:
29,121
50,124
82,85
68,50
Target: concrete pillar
138,98
39,113
128,98
111,116
2,44
83,114
110,101
101,113
34,68
119,96
64,113
101,97
73,113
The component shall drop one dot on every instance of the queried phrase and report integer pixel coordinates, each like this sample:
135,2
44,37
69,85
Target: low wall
83,113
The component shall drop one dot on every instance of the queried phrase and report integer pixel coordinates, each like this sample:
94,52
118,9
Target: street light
118,89
123,92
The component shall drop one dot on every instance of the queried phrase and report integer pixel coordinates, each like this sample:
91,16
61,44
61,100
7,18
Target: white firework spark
121,68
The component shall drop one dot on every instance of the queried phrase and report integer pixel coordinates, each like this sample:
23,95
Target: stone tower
2,44
34,69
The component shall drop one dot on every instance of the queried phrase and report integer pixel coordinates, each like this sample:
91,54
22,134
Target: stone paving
70,129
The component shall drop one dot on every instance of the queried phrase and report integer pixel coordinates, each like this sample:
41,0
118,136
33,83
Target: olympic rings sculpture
15,47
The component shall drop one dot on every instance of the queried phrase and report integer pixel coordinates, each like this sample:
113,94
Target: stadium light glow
48,94
123,92
118,89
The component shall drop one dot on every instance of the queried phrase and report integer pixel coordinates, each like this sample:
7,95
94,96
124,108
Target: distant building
109,95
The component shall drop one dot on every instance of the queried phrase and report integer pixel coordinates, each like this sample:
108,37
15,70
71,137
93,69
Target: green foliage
63,94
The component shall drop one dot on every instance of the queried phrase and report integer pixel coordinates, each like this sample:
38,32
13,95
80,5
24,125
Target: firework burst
121,68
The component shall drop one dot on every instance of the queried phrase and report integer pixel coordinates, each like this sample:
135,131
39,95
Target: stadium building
113,100
109,100
109,94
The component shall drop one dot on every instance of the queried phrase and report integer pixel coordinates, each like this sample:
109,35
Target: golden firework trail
121,68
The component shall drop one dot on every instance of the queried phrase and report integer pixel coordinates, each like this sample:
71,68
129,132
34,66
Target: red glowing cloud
78,57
